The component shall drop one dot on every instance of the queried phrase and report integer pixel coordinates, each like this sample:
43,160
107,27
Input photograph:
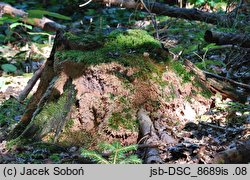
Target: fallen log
223,87
43,23
220,38
147,129
172,11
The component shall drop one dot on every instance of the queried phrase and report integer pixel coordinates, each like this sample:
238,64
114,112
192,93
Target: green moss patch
122,120
181,71
51,117
124,47
86,41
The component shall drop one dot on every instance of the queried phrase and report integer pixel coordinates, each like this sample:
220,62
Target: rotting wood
31,84
45,80
224,88
246,86
173,11
152,155
221,38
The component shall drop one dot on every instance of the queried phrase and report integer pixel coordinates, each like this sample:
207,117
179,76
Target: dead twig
30,84
246,86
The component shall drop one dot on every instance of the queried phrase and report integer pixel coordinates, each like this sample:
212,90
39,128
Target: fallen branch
31,84
172,11
146,128
243,40
43,23
213,126
246,86
225,129
224,88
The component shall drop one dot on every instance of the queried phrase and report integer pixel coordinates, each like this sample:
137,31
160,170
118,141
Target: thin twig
81,5
246,86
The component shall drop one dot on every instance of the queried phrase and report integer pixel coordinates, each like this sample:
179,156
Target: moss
53,110
137,40
144,65
123,120
51,116
17,142
181,71
124,47
69,124
205,92
78,138
187,77
86,40
10,110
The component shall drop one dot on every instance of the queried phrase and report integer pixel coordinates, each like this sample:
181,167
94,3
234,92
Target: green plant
10,111
41,13
9,68
116,47
14,25
55,157
211,3
117,154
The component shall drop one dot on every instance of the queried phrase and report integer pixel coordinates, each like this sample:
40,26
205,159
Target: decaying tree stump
90,90
96,85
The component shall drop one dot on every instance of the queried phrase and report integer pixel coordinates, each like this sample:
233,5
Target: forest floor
185,141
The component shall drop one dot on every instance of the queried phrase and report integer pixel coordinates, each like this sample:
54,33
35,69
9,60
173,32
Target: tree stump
91,80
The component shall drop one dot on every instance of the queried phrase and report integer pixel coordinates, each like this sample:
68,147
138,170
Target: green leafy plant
55,157
41,13
9,68
10,112
211,3
118,154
